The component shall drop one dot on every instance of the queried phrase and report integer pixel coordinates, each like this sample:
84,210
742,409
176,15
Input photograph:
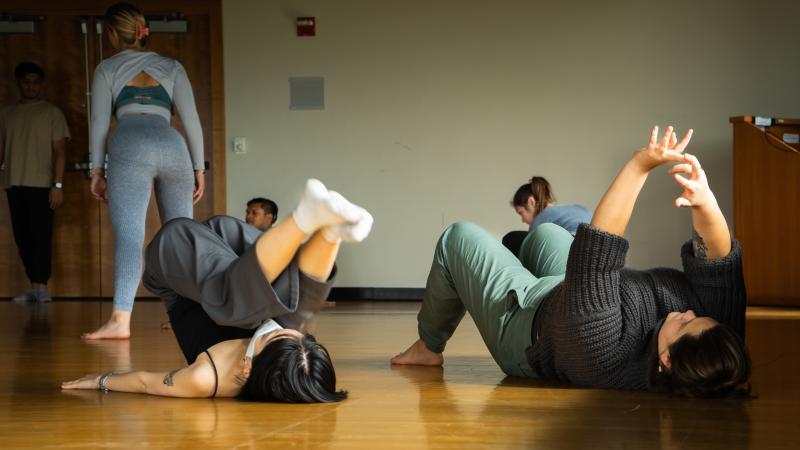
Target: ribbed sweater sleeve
592,278
719,284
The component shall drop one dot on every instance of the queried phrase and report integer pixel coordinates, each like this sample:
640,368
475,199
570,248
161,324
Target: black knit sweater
599,327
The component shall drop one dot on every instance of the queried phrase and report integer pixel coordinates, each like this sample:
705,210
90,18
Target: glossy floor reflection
467,404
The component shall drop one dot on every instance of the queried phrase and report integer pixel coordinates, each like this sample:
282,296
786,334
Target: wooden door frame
214,10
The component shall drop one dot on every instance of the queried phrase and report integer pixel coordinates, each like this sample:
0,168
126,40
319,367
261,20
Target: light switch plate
239,145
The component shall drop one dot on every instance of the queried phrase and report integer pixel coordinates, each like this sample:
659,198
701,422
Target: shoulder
581,209
51,108
201,376
109,64
164,62
104,71
569,209
52,113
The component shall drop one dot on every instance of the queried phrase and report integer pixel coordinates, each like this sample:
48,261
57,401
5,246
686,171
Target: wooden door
83,238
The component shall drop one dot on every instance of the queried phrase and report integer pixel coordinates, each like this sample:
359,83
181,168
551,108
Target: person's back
166,81
567,217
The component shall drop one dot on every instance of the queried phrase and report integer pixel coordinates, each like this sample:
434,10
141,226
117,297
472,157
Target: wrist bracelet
101,384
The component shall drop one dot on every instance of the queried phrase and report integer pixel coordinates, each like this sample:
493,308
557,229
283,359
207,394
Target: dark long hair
538,188
292,371
713,364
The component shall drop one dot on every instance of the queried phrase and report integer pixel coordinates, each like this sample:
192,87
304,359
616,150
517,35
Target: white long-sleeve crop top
113,74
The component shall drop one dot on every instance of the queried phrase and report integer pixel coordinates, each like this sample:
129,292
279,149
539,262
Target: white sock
350,232
319,208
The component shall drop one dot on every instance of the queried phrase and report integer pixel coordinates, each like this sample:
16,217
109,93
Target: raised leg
195,261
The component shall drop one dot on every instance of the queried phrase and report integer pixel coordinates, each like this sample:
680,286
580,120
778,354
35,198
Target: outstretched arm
711,238
615,208
195,381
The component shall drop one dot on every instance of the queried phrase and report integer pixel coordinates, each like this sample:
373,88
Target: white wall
436,111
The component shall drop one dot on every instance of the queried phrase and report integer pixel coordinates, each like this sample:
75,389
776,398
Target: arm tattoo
699,246
168,378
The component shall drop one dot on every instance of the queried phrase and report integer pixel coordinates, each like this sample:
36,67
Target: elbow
142,384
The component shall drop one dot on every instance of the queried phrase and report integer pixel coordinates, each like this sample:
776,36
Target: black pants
196,332
32,222
513,241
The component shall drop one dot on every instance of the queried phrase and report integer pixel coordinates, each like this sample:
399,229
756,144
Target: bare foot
117,327
419,355
166,326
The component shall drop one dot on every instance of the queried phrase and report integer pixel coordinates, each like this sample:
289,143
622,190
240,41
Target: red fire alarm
306,26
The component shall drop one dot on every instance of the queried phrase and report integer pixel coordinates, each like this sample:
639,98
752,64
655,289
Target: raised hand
695,188
658,152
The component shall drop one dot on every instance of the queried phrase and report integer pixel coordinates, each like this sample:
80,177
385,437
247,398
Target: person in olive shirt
33,133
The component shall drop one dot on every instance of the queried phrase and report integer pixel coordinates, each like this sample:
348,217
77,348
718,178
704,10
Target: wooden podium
766,207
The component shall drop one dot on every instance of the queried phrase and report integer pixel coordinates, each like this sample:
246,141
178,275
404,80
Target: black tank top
216,378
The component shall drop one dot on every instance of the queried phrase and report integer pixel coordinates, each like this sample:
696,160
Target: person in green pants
472,271
567,310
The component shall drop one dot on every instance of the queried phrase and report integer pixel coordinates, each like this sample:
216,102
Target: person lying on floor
238,300
571,312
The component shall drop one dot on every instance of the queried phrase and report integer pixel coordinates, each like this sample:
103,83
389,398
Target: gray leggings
143,149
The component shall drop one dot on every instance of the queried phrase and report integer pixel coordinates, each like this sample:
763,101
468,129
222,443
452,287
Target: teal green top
155,95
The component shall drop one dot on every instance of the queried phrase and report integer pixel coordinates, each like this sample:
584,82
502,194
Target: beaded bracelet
101,384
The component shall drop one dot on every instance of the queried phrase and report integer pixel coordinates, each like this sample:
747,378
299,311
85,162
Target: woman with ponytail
535,203
140,88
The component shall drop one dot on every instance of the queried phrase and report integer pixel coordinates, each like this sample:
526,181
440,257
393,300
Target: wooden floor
468,404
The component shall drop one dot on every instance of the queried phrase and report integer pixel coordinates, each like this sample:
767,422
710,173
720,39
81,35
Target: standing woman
140,88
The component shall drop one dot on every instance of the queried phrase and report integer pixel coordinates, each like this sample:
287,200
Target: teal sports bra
154,95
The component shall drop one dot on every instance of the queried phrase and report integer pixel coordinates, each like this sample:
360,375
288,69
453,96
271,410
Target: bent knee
178,223
551,229
458,230
457,233
220,221
175,227
461,229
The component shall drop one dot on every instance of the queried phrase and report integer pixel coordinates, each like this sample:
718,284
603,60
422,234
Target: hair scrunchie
142,31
